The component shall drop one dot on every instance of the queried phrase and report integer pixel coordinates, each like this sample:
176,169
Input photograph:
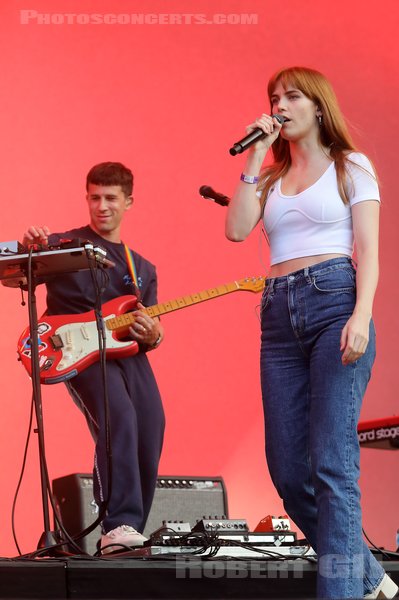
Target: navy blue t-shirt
73,293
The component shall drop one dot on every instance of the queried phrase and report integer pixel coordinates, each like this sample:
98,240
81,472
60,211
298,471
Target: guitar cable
388,554
99,289
14,502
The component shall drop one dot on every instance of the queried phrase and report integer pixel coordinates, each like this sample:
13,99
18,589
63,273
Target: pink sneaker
124,535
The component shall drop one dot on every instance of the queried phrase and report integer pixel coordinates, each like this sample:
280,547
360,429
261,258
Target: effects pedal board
224,532
223,539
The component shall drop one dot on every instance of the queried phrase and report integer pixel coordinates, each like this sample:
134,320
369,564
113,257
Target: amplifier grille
177,498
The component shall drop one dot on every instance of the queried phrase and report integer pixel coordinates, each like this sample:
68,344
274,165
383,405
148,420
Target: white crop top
316,221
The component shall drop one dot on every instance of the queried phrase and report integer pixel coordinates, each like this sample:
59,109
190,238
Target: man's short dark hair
111,173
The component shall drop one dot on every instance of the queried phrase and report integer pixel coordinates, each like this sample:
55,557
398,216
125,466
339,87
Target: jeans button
291,278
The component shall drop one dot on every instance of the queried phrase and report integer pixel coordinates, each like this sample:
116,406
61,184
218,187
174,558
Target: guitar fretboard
124,321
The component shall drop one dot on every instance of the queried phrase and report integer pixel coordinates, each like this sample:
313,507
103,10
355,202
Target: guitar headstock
252,284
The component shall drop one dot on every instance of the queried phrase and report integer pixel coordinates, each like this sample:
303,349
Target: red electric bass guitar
68,344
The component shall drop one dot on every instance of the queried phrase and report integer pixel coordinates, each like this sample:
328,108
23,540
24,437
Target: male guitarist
136,416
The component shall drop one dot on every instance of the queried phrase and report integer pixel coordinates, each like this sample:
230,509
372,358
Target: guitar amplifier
176,499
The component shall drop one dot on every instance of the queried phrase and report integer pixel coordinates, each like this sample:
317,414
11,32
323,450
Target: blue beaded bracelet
249,178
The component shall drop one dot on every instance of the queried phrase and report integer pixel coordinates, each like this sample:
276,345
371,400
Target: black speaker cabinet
177,498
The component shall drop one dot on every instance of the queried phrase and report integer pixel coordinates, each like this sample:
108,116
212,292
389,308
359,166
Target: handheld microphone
207,192
255,135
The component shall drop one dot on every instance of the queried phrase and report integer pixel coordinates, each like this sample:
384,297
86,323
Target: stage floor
169,577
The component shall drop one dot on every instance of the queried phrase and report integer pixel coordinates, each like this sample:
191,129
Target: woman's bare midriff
296,264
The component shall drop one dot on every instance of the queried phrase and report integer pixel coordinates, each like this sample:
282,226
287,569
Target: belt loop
306,275
271,284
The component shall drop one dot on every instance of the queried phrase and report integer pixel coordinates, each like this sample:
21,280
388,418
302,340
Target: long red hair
333,130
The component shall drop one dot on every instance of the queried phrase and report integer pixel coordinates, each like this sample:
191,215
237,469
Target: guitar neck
126,320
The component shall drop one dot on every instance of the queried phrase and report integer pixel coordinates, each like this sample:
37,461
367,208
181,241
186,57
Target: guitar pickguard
80,340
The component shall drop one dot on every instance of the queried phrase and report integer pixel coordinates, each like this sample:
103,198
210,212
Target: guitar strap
132,269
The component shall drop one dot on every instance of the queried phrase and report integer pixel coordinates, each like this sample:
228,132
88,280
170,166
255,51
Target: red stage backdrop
166,87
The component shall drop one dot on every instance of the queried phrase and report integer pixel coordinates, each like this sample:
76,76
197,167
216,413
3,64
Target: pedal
10,248
174,527
221,525
271,523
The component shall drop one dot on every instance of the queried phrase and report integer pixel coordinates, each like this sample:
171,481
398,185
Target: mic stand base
48,540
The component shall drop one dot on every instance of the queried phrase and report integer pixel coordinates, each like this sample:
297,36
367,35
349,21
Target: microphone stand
15,270
47,539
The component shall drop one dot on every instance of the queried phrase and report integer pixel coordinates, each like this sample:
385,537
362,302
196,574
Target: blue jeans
311,405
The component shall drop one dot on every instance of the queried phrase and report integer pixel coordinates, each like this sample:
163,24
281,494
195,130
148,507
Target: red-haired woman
316,199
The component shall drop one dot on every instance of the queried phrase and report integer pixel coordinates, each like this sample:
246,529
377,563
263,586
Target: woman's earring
320,117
